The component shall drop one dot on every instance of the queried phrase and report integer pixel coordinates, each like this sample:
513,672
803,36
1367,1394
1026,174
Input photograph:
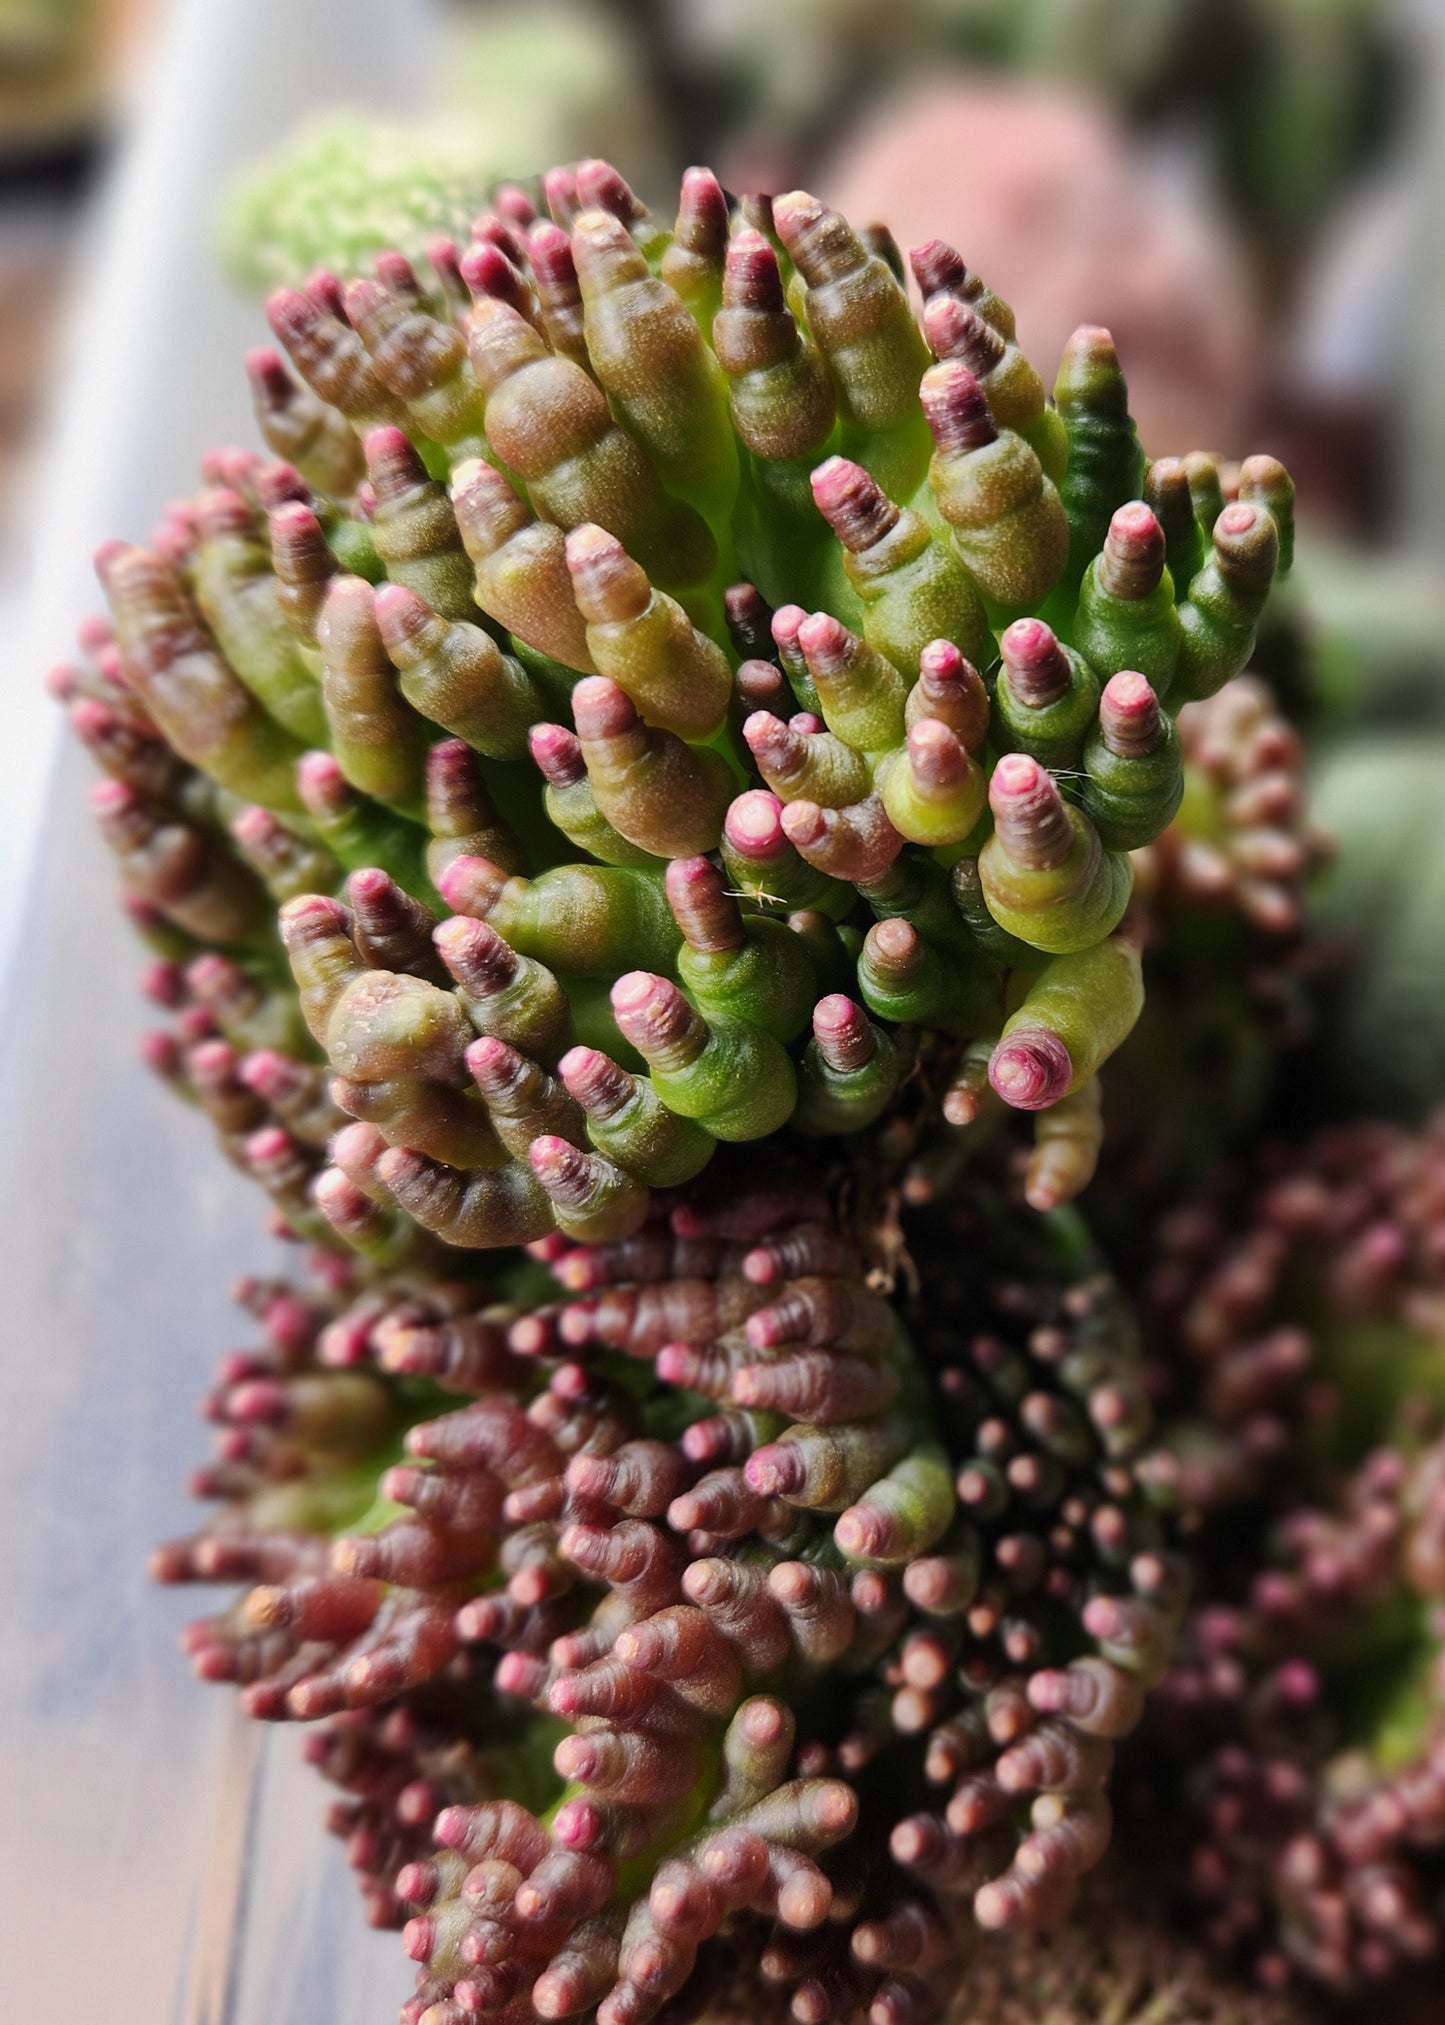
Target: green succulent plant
627,796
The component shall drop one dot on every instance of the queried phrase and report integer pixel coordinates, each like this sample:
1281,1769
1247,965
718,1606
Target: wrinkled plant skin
625,800
675,1611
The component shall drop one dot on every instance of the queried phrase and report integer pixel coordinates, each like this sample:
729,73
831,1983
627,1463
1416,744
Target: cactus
529,465
624,800
654,1545
1297,1319
346,191
1221,908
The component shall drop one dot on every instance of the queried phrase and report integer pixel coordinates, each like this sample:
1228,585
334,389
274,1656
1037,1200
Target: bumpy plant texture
645,707
347,190
666,1631
1220,905
792,682
1299,1321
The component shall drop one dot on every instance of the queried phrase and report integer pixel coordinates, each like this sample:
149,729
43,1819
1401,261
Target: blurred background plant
1231,185
54,60
61,66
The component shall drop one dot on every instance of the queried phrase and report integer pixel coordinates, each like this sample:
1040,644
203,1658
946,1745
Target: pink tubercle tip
579,1824
416,1883
111,797
821,635
554,1159
1135,521
94,632
555,752
1031,1069
600,709
418,1937
470,883
936,265
1128,693
835,1014
325,290
942,661
486,270
160,1052
343,1205
751,275
634,990
394,270
89,716
269,1144
549,247
313,912
266,1071
804,823
1237,519
391,461
266,370
280,484
293,520
319,771
394,600
753,825
956,408
369,886
488,1055
445,257
786,623
63,682
355,1143
935,755
1028,642
108,553
289,313
1015,777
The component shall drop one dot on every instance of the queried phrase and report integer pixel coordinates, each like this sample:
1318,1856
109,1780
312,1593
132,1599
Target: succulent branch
623,799
679,1607
600,549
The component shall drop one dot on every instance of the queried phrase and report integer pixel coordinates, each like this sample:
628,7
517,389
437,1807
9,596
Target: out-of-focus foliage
1383,910
51,68
348,185
345,188
585,87
1373,628
1290,95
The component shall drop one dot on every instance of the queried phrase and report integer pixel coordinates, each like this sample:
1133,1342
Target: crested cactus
670,1603
623,801
686,547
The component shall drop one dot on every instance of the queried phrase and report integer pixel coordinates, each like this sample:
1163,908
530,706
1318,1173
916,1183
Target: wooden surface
161,1862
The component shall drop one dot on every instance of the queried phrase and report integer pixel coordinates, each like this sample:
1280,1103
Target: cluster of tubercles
659,696
651,599
686,1591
